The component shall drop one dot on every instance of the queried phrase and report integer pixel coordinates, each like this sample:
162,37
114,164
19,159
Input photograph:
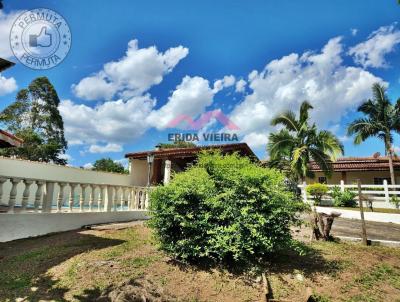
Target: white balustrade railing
39,195
379,195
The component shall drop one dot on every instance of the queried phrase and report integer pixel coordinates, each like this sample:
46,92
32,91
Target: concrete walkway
375,230
369,216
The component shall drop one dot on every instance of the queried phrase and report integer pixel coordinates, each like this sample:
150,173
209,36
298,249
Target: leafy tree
34,117
318,191
292,148
176,144
108,165
382,118
224,209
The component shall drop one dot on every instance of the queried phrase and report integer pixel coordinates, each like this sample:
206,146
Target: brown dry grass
80,265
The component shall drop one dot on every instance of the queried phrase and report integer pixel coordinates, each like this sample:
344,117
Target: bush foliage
317,191
346,198
224,208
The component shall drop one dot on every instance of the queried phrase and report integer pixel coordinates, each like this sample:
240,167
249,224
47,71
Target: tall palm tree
300,142
382,118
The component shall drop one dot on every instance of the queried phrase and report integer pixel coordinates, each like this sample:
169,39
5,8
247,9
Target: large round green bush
224,208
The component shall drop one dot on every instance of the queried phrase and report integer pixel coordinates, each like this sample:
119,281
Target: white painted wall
24,225
29,169
139,170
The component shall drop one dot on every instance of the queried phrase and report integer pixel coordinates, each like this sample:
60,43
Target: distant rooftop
373,163
4,64
8,140
241,148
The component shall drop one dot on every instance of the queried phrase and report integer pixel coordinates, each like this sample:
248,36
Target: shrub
343,199
224,208
317,191
395,200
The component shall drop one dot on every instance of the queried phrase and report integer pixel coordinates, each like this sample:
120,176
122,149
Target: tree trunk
391,166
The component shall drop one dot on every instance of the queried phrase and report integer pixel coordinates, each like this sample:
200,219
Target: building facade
370,170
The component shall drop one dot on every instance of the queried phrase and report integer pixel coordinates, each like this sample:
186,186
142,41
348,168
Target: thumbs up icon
43,39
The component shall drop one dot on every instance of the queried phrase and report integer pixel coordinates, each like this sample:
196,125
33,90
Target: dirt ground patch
104,264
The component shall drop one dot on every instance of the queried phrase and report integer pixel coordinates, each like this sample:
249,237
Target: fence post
360,203
386,189
342,185
304,192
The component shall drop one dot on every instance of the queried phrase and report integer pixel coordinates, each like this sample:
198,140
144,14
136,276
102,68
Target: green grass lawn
84,265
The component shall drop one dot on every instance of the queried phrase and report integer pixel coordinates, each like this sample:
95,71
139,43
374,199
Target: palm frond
280,143
304,108
287,119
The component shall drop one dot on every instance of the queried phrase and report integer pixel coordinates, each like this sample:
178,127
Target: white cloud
321,78
111,122
354,31
66,157
371,53
132,75
95,87
225,82
240,85
6,22
123,161
88,166
256,140
190,97
110,147
7,85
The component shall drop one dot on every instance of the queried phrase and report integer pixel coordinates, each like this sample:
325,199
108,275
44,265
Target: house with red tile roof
155,166
370,170
8,140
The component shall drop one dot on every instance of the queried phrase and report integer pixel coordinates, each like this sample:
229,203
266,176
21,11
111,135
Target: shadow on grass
24,263
311,261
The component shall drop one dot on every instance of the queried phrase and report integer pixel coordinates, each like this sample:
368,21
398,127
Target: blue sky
250,59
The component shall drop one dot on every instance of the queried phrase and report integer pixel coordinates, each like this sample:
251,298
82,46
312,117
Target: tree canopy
34,117
109,165
381,119
292,148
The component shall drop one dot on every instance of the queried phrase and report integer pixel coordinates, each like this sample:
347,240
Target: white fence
46,196
380,195
38,198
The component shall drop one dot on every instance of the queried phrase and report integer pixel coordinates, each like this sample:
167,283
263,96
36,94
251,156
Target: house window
322,180
379,180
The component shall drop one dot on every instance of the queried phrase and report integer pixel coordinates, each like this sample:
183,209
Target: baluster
122,197
71,196
129,196
101,198
60,199
2,181
146,200
110,198
92,188
25,194
83,197
115,199
38,195
136,200
140,199
13,194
